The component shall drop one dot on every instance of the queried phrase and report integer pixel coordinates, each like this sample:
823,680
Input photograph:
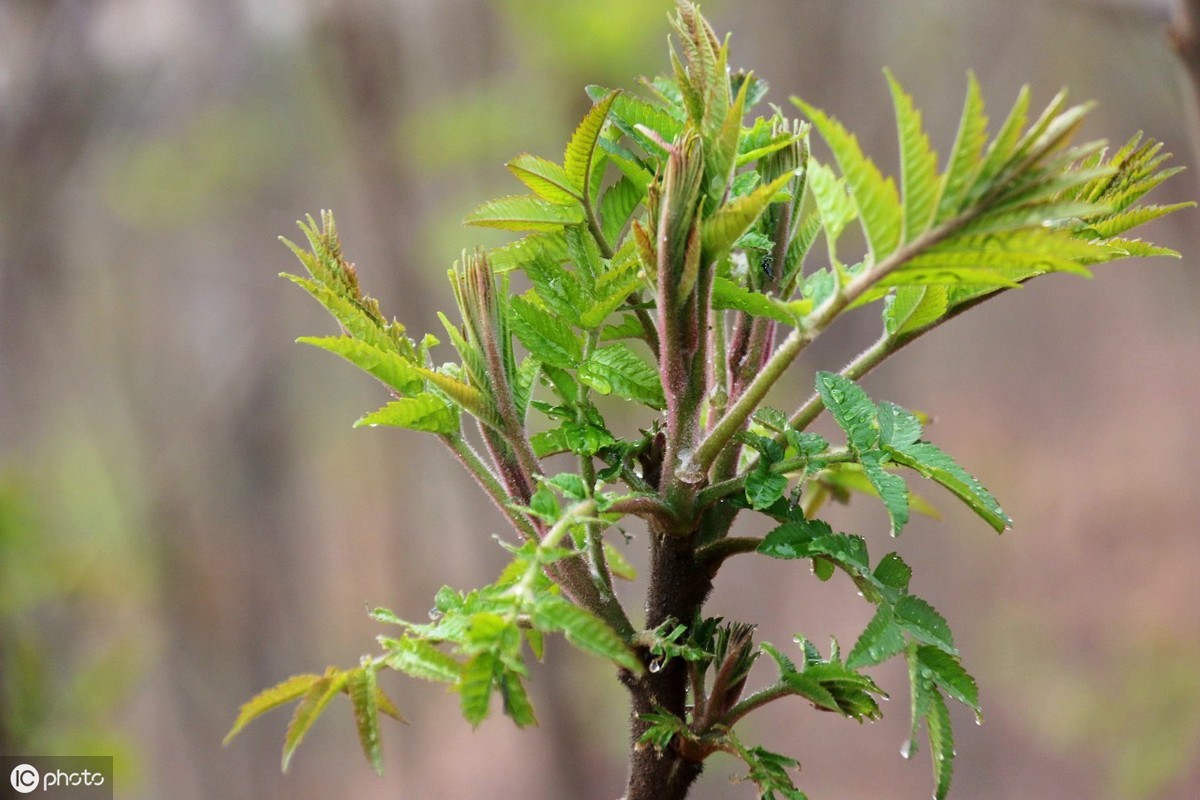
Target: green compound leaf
924,623
880,640
932,462
851,409
577,160
548,338
280,694
875,197
363,689
309,709
918,164
618,370
422,412
547,180
584,630
525,212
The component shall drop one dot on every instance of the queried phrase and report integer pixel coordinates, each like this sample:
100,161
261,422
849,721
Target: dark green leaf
947,672
763,486
891,488
880,640
931,462
891,571
851,409
792,539
924,623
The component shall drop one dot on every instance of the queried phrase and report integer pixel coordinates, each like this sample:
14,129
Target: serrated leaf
811,690
390,368
421,659
558,288
577,160
548,338
966,156
835,207
618,370
547,179
918,164
875,197
880,640
792,539
1000,151
941,743
319,693
617,205
898,427
1131,218
932,462
516,700
584,630
851,409
422,412
764,487
629,113
525,212
350,314
719,231
923,622
516,254
893,572
362,687
892,490
268,699
475,686
947,672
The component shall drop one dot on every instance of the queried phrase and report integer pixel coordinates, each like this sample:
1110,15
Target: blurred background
187,517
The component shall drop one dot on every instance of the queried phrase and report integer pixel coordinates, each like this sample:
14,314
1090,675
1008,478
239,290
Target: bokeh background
186,515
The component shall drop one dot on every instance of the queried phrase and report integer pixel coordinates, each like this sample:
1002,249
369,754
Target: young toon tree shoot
681,256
